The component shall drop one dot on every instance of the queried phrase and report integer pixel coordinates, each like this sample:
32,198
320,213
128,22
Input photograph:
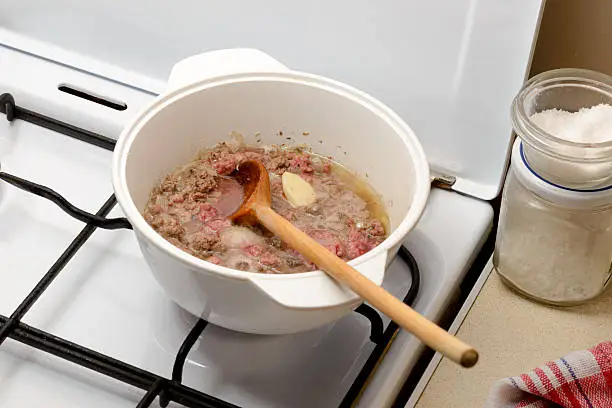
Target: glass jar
554,239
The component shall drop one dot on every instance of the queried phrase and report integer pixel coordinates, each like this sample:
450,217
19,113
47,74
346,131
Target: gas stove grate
154,386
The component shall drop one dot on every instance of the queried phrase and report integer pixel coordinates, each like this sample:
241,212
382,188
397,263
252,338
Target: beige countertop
513,335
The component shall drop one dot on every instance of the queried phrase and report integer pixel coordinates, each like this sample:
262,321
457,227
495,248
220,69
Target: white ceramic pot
246,91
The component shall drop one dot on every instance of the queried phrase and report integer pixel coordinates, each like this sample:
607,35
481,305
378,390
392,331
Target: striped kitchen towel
582,379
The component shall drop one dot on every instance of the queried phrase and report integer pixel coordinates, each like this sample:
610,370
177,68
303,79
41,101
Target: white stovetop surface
106,299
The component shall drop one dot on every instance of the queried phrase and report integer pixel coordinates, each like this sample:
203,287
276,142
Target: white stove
103,297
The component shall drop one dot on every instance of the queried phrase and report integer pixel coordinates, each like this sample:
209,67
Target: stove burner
61,202
7,106
12,111
155,386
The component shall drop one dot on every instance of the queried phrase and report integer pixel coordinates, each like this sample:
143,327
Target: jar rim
539,138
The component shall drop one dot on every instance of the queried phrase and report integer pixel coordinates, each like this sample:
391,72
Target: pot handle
316,291
212,64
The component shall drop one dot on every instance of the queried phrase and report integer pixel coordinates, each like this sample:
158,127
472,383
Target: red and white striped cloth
582,379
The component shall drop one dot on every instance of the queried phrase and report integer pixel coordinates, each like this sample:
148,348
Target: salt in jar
554,239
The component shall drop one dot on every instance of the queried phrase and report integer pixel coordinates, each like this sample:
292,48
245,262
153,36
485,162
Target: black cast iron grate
166,389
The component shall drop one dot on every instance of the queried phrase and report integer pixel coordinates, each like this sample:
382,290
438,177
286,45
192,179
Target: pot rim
132,129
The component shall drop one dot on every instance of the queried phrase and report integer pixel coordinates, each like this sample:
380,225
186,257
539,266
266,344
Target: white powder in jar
578,167
554,254
588,125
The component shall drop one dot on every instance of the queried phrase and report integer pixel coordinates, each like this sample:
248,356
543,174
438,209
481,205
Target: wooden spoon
255,209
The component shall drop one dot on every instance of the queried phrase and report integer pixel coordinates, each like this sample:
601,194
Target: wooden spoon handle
427,331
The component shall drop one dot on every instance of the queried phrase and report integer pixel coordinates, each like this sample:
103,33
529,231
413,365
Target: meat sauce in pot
190,206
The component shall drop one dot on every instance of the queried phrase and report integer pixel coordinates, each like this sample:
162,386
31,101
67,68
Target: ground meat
301,163
190,206
204,243
168,226
214,259
242,266
225,166
313,209
269,259
253,250
168,185
218,225
375,229
275,242
294,262
329,240
207,213
358,244
204,183
277,161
